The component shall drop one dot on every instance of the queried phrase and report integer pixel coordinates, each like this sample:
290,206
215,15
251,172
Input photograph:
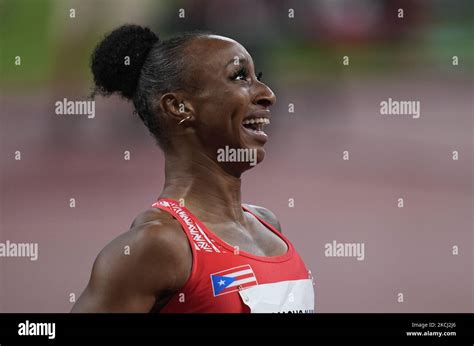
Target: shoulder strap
188,221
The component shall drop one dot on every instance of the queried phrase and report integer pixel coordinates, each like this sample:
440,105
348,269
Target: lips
254,124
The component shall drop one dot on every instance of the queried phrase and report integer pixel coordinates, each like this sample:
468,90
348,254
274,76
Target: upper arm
135,269
265,214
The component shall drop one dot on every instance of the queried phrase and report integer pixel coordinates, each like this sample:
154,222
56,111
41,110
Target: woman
197,94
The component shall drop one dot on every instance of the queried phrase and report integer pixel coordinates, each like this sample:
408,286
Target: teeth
256,121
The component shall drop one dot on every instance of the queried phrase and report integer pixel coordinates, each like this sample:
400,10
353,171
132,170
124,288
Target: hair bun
112,71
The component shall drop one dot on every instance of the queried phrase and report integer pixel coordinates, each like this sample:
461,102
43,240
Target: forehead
213,51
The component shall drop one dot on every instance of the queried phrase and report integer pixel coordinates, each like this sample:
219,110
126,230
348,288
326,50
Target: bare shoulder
157,230
152,229
151,215
157,241
265,214
141,265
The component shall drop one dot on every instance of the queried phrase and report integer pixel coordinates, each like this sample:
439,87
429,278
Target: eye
240,74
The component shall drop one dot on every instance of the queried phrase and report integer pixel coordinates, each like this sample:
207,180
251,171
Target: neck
206,189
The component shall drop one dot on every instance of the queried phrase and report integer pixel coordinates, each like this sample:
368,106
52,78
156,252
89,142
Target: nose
264,96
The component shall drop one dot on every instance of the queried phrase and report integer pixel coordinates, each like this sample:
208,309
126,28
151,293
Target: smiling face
229,105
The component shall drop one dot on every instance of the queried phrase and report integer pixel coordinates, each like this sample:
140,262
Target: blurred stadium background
408,250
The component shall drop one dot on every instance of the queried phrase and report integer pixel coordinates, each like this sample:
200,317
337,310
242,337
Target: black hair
133,62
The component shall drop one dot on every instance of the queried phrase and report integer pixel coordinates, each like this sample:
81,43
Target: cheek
233,100
213,129
238,109
225,110
221,117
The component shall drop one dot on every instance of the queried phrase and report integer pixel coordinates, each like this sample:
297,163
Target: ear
174,105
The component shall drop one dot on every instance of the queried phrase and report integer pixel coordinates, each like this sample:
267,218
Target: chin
260,154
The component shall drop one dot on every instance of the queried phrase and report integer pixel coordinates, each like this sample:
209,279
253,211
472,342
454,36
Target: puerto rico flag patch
233,279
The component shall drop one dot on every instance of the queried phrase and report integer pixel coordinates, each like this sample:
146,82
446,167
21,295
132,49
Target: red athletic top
224,279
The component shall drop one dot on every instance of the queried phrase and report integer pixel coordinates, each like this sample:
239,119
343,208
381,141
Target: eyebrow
241,60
